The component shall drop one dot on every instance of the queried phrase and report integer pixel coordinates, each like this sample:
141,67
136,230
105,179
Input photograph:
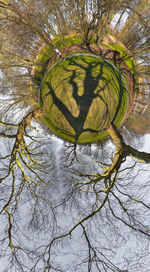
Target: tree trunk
123,150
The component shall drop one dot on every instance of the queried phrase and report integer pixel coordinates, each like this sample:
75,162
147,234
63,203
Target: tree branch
123,150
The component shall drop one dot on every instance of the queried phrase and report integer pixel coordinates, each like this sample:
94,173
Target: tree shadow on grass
91,91
120,91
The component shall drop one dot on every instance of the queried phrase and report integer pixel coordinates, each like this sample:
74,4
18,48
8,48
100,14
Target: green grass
67,41
129,61
47,53
67,91
123,54
81,96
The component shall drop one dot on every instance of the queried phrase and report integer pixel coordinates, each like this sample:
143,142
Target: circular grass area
81,95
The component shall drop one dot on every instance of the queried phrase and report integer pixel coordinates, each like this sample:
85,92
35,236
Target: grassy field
123,54
47,52
81,96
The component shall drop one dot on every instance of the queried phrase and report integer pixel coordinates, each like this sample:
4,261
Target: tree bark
123,150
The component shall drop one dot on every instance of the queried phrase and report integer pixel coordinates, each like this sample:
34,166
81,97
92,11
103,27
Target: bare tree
69,207
62,201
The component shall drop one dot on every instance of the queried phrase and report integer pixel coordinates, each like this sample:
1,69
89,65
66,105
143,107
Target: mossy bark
123,150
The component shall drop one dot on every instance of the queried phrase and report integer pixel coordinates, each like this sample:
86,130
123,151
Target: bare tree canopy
66,206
